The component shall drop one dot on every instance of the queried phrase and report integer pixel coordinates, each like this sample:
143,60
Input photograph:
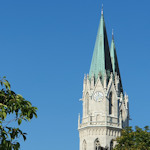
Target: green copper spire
101,60
113,56
114,60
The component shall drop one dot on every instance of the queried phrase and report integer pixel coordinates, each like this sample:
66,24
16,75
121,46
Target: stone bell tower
105,106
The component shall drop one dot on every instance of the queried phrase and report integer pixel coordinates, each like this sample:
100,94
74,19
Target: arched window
110,103
84,145
122,119
111,145
97,145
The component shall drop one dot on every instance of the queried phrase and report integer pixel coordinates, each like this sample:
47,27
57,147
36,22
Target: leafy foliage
12,105
134,140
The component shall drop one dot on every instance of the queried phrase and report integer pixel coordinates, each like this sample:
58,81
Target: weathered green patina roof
101,60
113,56
114,61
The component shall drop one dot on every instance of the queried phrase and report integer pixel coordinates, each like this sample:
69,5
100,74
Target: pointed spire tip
102,10
112,34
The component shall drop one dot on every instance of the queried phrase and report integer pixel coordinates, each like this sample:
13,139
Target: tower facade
105,106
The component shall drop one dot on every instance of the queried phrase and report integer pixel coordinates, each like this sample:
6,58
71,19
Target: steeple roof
114,60
101,59
113,55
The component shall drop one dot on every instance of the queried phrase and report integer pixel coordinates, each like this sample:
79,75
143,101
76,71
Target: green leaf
24,137
19,121
4,114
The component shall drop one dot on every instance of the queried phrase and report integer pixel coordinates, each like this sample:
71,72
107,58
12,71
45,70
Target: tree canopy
138,139
13,106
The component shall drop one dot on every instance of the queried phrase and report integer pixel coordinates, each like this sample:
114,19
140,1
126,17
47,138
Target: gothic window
110,103
118,109
111,145
121,113
84,145
121,118
97,145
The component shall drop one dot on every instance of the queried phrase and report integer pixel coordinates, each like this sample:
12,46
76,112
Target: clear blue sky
46,47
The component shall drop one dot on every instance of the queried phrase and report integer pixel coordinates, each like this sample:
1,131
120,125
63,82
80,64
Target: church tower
105,106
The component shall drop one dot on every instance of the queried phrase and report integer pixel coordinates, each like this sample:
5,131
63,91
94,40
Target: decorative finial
113,34
102,10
